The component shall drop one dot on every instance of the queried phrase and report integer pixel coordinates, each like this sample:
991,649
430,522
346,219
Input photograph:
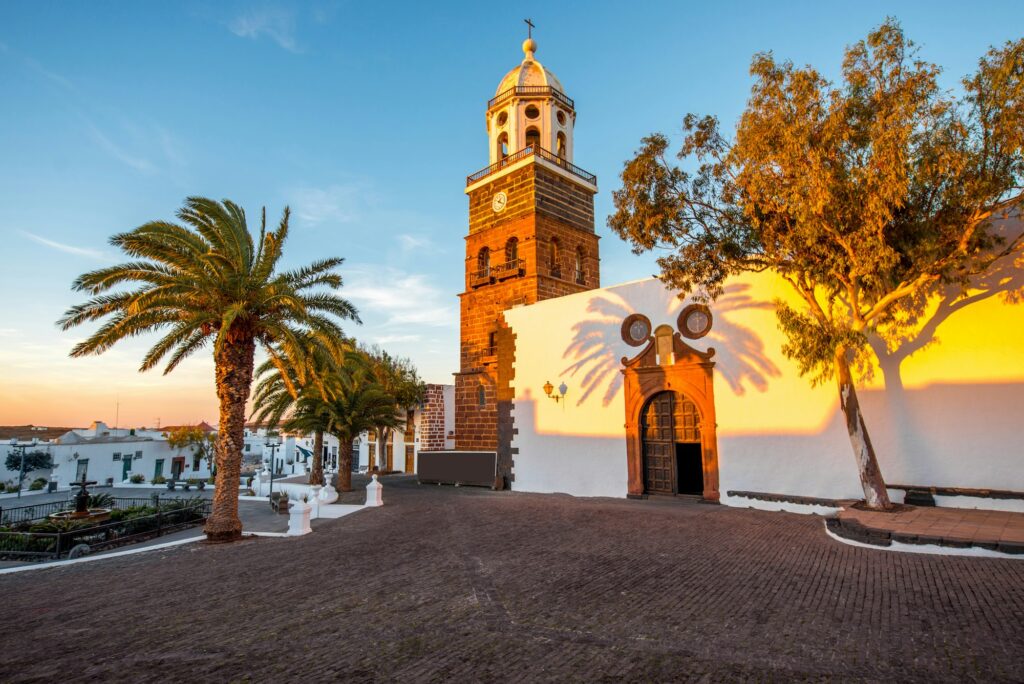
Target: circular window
532,112
561,117
502,118
636,330
694,321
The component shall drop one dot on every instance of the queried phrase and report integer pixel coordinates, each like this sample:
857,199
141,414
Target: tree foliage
193,438
864,196
34,460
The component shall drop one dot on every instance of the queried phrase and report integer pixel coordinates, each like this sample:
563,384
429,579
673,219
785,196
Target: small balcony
531,91
529,151
497,273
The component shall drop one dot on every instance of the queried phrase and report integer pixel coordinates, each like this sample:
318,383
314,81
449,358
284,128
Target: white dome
529,73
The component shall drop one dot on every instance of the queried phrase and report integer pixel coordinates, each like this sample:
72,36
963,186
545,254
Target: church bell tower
531,237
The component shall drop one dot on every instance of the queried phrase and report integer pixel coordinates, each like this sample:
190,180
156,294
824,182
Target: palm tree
360,406
208,280
300,394
397,377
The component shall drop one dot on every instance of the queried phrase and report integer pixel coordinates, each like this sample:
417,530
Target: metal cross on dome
529,30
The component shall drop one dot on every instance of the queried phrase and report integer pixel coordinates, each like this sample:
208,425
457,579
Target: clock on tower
531,237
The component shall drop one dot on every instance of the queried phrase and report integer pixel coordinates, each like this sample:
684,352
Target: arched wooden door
672,452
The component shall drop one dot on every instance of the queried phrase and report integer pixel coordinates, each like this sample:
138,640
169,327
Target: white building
114,455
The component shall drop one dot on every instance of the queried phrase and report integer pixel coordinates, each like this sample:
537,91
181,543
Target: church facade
631,391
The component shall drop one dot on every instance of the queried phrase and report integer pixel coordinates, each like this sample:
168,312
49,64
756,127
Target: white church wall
946,416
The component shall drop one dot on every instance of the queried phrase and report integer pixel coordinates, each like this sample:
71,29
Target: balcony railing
579,276
523,154
498,272
531,91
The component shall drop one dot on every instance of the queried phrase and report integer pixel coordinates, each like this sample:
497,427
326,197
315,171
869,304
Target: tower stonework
531,237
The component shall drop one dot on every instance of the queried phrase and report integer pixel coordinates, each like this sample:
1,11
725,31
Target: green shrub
37,485
137,478
66,525
211,480
193,480
103,500
11,487
159,479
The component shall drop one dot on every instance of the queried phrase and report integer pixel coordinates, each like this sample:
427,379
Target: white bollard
374,493
314,501
328,494
298,518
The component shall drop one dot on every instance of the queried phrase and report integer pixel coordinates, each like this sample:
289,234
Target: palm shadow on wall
596,351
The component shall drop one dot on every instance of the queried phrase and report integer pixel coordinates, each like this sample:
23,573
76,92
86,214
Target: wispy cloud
392,339
411,243
113,149
274,23
336,203
69,249
402,299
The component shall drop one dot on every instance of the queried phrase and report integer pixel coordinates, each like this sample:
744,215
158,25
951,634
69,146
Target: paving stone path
472,585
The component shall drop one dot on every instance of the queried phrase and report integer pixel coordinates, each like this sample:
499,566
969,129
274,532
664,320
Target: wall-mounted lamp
549,388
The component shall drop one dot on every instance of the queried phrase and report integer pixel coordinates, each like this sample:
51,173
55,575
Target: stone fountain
82,512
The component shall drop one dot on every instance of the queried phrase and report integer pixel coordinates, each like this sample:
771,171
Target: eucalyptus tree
865,197
208,281
397,377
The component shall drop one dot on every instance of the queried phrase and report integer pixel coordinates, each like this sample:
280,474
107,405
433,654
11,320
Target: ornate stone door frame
690,374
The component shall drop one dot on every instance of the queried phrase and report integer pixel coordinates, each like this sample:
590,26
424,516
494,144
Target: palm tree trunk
234,365
344,464
316,473
875,493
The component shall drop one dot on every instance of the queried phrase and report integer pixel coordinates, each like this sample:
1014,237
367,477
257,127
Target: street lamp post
273,444
21,470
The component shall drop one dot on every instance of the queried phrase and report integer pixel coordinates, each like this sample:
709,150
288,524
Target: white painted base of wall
785,506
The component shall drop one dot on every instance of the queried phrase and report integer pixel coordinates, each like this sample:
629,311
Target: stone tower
531,237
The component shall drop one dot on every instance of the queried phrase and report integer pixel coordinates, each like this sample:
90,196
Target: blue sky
365,118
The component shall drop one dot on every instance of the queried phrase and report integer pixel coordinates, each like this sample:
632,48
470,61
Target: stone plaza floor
467,585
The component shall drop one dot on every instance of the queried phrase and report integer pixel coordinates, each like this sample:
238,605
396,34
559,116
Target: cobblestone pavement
472,585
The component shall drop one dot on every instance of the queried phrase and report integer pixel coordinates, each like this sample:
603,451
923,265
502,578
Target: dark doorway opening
672,452
689,468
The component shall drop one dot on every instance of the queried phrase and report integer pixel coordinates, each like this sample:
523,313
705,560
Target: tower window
556,271
512,250
579,265
532,112
502,145
561,145
483,263
481,396
502,118
532,138
561,117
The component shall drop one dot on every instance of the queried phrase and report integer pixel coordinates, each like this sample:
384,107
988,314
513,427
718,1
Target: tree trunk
344,464
316,473
382,457
875,493
234,364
